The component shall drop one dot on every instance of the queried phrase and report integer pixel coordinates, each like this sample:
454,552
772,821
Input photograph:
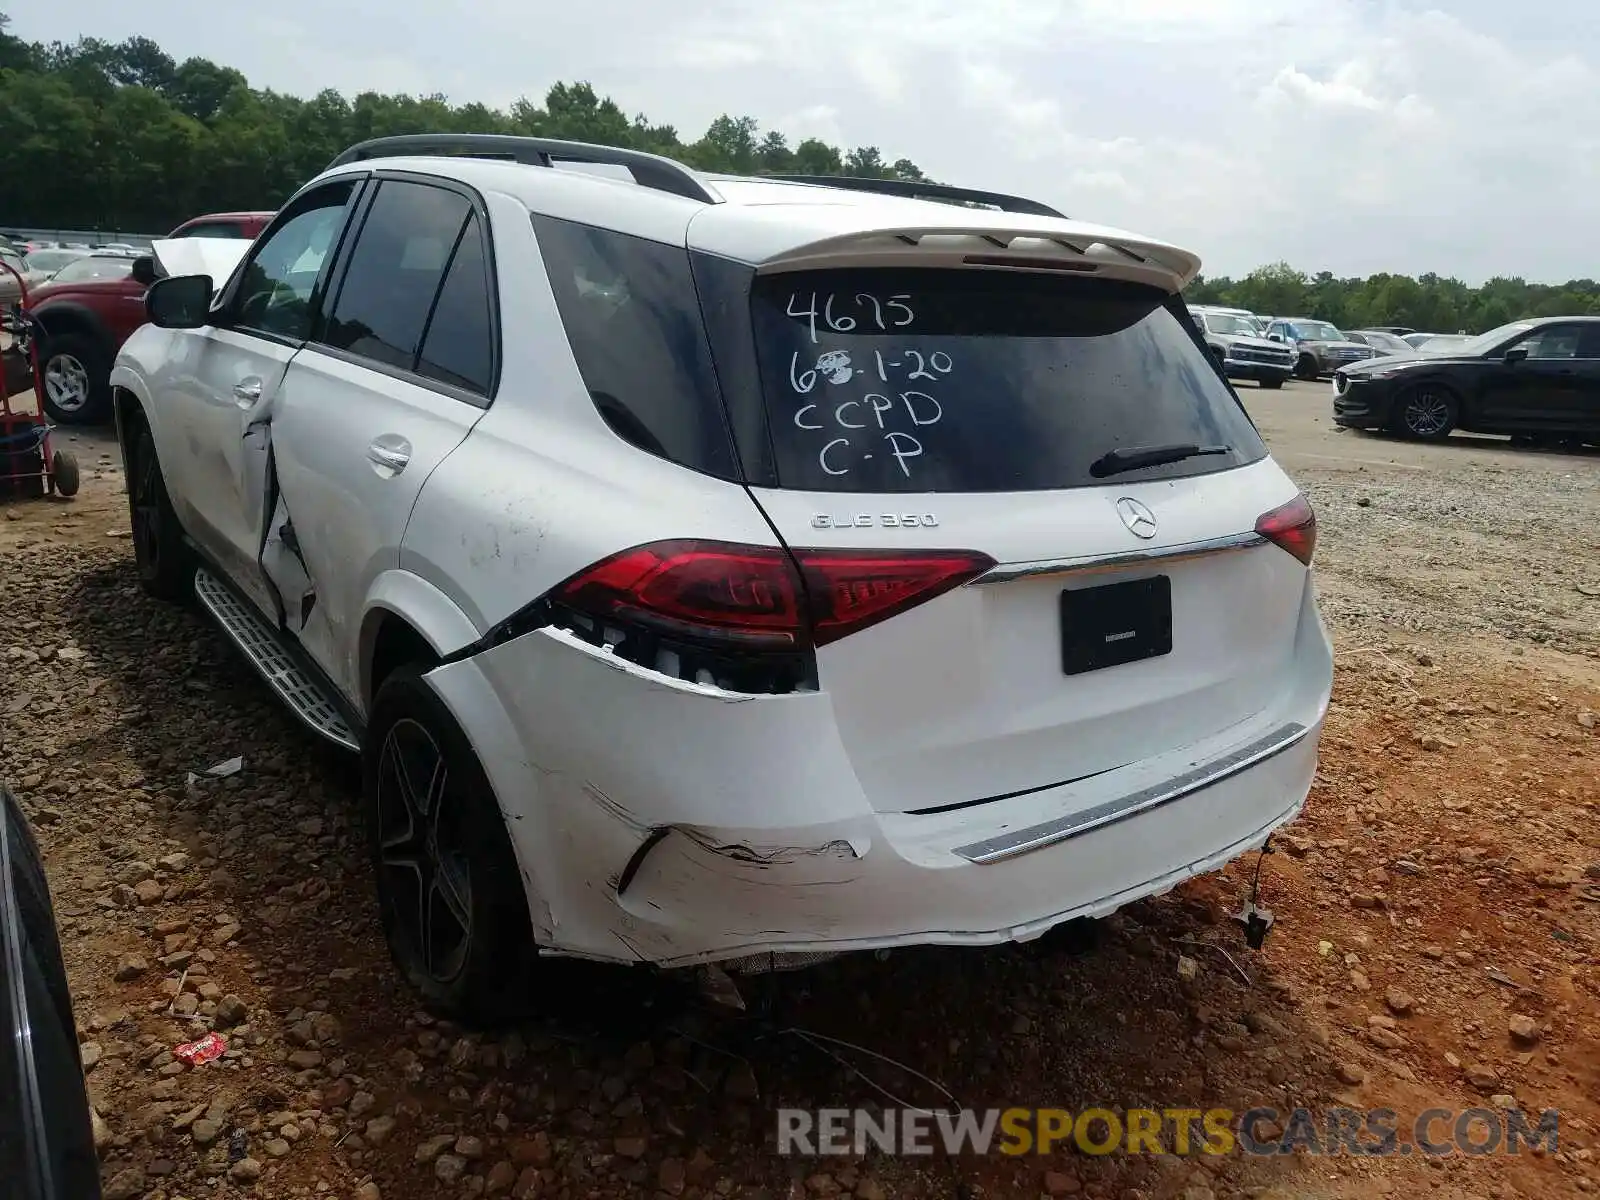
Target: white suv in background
720,570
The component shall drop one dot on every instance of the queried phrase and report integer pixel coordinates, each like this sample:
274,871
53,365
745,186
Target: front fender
136,369
130,378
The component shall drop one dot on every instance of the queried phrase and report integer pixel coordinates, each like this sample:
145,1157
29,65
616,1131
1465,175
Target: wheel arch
130,408
407,619
67,316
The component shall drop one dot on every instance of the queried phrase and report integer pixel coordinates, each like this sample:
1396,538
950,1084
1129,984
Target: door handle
247,392
389,456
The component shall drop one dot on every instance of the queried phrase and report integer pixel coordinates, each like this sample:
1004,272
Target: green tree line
101,135
1429,302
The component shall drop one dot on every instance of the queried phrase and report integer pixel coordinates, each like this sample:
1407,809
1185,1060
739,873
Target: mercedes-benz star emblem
1141,522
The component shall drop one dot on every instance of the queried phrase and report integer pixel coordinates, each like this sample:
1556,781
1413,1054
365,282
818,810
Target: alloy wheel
66,382
1427,413
424,865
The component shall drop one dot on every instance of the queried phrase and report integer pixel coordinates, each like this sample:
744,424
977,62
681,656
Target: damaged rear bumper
660,821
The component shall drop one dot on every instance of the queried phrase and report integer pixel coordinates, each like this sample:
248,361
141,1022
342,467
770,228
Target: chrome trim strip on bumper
1006,572
1020,841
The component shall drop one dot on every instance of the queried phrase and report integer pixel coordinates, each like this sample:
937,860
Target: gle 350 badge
878,521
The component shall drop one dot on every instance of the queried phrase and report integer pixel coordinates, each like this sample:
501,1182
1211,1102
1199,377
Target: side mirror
180,302
1515,355
1275,337
144,270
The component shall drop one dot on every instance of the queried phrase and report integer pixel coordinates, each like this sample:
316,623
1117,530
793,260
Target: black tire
1305,367
78,357
54,1123
1271,385
33,901
1426,412
164,559
64,473
450,896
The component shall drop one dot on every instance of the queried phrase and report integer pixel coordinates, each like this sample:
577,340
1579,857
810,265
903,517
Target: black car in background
46,1137
1537,378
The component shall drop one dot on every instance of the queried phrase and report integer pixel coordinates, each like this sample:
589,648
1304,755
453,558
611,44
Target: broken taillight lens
762,597
1292,526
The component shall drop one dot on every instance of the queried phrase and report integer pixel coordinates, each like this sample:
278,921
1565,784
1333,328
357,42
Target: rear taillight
1292,526
848,590
753,596
749,594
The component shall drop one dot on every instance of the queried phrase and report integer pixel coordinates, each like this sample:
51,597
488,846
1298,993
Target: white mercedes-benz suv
722,570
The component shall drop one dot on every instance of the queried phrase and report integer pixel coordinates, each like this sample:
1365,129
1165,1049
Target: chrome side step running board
295,686
1020,841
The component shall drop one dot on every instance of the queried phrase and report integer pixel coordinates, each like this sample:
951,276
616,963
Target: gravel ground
1509,551
1434,946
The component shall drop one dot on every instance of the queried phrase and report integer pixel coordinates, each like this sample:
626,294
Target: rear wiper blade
1132,458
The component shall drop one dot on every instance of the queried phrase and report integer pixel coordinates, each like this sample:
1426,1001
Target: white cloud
711,54
1351,135
820,121
1342,91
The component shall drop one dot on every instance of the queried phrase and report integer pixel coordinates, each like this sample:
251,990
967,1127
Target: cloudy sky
1347,135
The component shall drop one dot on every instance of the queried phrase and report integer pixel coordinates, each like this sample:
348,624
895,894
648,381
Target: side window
274,293
632,317
458,347
399,260
1553,341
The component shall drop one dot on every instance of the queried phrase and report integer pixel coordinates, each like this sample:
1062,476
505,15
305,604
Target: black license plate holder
1115,623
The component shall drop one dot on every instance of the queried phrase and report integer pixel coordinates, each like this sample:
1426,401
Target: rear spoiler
996,243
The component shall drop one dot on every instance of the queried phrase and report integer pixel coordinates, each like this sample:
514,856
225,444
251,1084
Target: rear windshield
924,380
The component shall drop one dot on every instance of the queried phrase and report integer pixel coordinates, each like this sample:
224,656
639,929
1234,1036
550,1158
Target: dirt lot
1437,910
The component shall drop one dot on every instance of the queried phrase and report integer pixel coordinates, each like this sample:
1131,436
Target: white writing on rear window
849,314
864,403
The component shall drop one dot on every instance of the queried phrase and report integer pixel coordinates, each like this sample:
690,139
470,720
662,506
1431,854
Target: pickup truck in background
1231,336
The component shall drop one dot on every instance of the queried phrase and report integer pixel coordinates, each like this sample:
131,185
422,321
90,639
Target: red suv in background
90,307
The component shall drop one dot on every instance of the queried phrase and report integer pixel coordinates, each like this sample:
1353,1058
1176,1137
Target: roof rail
920,190
648,170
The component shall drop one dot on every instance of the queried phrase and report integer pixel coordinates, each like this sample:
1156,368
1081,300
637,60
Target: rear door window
458,347
395,271
927,380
